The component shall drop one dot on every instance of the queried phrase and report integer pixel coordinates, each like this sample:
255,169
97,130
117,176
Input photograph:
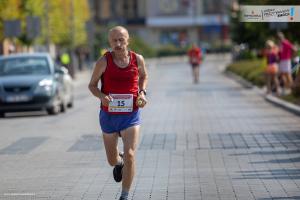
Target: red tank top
116,80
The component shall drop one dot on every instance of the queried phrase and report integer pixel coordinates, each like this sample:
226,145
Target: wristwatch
143,90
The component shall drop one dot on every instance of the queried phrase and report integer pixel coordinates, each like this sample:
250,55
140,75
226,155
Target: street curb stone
283,104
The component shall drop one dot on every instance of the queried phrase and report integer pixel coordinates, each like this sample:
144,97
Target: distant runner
195,59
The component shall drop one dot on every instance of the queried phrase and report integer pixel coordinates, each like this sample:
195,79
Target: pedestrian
195,59
286,50
272,67
65,59
295,63
123,77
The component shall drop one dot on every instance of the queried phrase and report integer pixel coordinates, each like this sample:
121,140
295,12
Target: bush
296,86
296,91
291,98
220,49
171,50
246,55
251,70
140,47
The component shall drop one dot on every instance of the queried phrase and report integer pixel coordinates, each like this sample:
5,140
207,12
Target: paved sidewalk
230,143
211,141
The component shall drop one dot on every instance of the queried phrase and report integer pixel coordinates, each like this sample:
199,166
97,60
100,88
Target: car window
24,66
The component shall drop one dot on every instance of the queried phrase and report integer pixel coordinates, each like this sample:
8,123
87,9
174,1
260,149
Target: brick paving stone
215,140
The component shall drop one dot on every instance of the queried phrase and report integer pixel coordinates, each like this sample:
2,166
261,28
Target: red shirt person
123,78
286,50
195,59
121,81
195,55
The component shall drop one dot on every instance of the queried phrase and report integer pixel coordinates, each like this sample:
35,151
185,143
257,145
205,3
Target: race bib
121,103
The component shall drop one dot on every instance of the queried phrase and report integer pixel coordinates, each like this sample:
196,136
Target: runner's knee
129,156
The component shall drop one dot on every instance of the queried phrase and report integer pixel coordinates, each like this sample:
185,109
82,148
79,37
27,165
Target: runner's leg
290,80
195,73
197,70
130,137
111,147
269,84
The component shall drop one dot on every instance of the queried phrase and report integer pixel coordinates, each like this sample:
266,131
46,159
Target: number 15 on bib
121,103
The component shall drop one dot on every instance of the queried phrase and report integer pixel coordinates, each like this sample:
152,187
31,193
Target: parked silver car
34,82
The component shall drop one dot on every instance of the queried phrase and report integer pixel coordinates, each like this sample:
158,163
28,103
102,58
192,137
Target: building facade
177,22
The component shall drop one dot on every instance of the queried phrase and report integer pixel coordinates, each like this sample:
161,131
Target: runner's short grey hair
118,28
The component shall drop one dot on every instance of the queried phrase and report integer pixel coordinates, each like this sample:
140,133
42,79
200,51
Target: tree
61,22
57,14
9,10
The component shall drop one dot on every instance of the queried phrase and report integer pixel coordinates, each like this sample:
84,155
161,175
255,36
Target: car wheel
55,109
63,107
70,104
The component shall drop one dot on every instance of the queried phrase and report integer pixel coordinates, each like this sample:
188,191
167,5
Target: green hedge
292,98
170,50
251,70
140,47
246,55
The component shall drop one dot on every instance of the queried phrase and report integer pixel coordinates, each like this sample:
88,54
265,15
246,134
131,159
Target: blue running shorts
112,123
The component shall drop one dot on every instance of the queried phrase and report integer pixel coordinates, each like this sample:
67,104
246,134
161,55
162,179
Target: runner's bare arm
295,49
99,69
143,80
143,75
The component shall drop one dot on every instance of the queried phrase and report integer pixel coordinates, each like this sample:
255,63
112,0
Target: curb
269,98
283,104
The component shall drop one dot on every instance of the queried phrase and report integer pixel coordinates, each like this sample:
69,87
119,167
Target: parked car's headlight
44,87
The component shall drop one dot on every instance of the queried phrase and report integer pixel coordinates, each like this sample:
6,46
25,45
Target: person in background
295,63
272,67
195,59
286,50
65,59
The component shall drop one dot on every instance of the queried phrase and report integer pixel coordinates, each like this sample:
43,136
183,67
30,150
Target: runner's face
118,40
